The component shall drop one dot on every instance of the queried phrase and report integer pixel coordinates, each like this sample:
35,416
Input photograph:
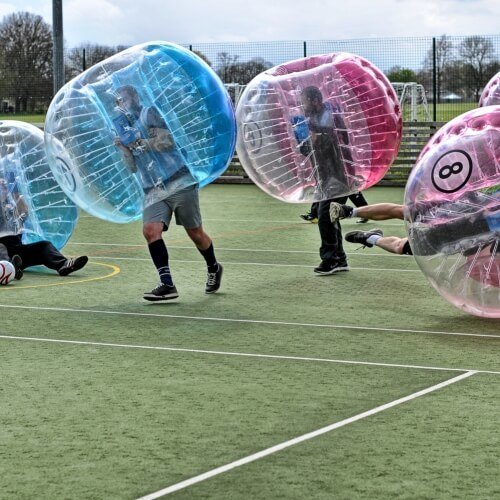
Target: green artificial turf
87,420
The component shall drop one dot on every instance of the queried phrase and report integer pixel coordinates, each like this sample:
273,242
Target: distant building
450,97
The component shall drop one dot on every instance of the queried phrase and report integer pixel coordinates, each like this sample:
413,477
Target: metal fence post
57,50
305,49
434,80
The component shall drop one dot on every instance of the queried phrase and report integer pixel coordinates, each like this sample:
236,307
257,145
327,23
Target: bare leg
392,244
381,211
152,231
199,237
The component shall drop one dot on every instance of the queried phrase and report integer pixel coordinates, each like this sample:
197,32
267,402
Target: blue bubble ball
32,202
137,127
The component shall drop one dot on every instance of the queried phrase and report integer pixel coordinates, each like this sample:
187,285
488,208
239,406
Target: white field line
253,250
281,221
303,223
244,354
245,321
144,259
300,439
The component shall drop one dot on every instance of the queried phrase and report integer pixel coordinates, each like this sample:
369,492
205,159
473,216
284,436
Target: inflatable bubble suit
137,127
491,93
32,202
319,127
453,211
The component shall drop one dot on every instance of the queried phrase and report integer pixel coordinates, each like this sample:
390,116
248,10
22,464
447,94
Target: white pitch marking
300,439
142,259
245,354
250,321
252,250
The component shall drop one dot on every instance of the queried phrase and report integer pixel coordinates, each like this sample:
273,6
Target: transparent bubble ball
319,127
32,202
452,200
491,93
137,127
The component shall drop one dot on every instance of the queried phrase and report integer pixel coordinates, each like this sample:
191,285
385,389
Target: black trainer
361,221
72,265
309,217
339,211
161,292
361,237
327,267
213,280
17,262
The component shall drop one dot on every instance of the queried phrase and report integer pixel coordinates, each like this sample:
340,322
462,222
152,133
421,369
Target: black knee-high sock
209,256
159,254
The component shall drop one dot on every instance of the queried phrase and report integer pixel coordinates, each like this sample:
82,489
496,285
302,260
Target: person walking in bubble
149,151
325,152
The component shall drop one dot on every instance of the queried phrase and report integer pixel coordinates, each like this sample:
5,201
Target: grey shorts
184,204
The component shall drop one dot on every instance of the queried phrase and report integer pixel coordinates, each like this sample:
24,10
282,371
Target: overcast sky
127,22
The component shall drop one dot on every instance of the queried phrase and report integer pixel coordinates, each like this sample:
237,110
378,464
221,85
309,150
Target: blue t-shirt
154,168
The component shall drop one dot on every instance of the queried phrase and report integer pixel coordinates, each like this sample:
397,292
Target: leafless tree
477,53
232,71
26,61
86,55
444,57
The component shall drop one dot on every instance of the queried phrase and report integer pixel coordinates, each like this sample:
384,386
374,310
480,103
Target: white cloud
113,22
97,21
42,8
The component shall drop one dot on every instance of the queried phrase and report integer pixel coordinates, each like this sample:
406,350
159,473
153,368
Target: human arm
21,208
160,139
127,155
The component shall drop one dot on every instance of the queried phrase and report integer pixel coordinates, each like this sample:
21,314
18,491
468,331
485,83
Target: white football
7,272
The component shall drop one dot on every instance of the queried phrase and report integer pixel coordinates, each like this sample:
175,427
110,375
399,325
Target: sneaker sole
333,271
156,298
340,270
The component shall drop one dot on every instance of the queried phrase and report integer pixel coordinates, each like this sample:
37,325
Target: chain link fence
436,78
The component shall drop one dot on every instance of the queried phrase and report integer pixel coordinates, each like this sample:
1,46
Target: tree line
26,64
464,68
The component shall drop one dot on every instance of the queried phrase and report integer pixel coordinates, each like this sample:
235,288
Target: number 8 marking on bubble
448,170
452,171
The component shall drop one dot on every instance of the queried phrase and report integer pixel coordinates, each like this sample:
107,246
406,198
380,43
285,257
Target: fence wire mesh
437,78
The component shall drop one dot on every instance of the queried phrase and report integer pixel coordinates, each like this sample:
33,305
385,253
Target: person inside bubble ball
13,213
470,231
328,141
322,146
150,151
